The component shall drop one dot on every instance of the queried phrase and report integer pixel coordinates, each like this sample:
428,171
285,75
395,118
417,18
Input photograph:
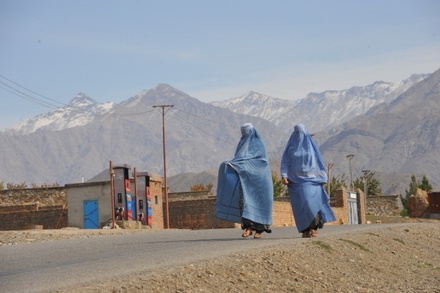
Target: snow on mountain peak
81,101
80,111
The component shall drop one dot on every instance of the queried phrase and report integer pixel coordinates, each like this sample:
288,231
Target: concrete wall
80,192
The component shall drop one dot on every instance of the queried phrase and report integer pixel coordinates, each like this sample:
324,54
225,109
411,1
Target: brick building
98,195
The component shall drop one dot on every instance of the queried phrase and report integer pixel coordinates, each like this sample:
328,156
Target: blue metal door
352,208
91,216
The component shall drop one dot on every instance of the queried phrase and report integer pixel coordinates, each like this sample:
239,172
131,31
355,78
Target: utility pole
112,192
329,166
167,209
366,172
350,157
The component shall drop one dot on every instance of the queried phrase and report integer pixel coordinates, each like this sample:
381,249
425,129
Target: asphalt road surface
51,265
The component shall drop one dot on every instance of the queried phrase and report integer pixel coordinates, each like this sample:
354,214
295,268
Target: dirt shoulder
400,258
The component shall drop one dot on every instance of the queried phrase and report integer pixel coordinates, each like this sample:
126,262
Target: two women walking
245,188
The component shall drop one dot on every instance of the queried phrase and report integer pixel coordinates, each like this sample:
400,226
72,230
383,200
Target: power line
210,134
26,96
10,88
201,117
35,93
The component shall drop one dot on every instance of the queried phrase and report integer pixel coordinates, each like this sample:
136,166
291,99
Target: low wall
195,214
47,196
383,205
22,209
31,216
198,212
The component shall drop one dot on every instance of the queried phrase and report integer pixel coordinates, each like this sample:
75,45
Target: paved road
50,265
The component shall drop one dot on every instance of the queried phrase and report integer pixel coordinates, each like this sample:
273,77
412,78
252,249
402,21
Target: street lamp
350,157
366,172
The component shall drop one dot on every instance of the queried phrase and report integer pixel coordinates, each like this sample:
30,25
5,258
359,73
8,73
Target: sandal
313,233
247,233
257,235
307,234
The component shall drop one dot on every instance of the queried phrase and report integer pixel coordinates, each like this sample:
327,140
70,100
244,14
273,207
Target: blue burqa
304,167
248,169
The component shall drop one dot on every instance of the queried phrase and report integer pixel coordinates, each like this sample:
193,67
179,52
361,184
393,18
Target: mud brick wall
195,214
19,208
53,217
22,209
282,215
199,213
48,196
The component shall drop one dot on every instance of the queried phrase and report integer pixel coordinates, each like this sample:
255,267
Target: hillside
393,131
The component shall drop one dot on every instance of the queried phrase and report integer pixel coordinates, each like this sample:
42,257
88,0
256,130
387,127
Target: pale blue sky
212,50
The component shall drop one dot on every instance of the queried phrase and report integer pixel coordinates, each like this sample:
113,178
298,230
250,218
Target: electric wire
197,127
13,82
201,117
10,88
26,96
50,105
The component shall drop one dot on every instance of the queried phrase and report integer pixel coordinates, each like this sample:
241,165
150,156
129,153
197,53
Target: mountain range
392,129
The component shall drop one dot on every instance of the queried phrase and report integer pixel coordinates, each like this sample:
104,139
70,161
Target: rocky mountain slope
320,111
389,133
399,137
198,137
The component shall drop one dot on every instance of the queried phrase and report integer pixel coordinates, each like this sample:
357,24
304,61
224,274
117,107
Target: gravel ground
395,259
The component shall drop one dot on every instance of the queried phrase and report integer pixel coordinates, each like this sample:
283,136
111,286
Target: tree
373,185
413,185
424,185
2,186
336,183
201,187
279,189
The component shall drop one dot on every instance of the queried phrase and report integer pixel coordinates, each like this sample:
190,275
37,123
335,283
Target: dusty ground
397,259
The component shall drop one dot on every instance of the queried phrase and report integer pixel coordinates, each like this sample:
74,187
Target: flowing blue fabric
303,166
249,169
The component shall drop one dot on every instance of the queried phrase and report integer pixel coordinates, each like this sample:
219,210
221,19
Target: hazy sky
211,50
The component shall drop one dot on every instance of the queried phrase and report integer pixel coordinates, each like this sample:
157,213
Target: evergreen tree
414,184
373,184
279,189
424,185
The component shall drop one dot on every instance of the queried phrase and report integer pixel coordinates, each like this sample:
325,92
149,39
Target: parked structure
136,201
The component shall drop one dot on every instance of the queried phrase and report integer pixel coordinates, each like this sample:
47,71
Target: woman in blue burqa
245,188
304,172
